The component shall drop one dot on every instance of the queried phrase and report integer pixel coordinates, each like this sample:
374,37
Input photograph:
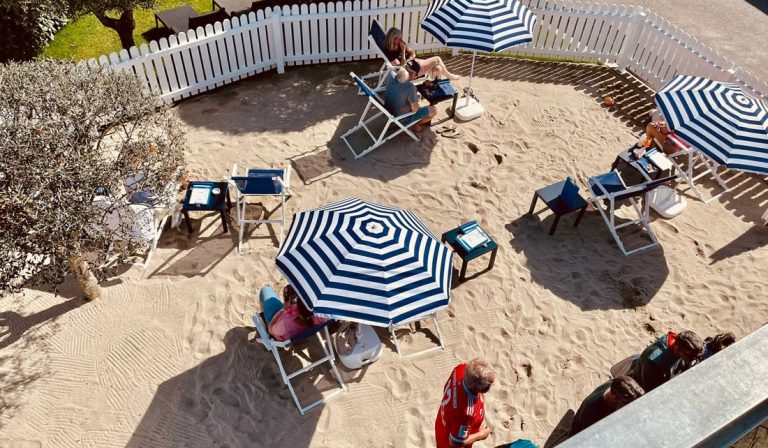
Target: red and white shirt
461,411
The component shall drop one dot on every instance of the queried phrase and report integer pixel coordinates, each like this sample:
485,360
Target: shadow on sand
583,264
235,399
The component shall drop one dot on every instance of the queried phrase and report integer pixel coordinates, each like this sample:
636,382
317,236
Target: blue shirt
399,96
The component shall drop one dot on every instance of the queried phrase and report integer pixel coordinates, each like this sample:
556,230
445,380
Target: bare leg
419,127
435,63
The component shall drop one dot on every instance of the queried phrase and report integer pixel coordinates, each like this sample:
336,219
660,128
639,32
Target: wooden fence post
634,29
277,41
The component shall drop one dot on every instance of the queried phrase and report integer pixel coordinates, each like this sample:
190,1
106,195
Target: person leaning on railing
398,53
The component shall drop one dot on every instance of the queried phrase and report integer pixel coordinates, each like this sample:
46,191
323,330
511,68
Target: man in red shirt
462,410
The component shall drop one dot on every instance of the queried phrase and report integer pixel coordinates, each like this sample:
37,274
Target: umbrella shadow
754,238
583,264
235,398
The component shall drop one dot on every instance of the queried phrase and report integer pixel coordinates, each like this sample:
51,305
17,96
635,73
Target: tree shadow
235,398
271,102
584,265
761,5
754,238
560,433
29,335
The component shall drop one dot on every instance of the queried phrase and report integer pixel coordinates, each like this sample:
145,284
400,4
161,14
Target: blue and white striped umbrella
718,118
479,25
359,261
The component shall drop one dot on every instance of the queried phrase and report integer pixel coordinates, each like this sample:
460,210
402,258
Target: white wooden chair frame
273,346
393,337
609,213
694,157
241,202
375,104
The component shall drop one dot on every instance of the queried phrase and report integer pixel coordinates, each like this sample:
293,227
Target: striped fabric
359,261
719,119
479,25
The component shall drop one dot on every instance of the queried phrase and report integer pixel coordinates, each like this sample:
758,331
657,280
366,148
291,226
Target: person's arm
413,100
409,53
472,438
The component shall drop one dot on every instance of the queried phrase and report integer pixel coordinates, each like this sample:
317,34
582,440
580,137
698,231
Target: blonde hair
389,40
479,374
402,75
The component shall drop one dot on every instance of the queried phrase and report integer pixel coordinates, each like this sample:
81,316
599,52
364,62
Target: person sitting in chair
293,318
398,53
400,98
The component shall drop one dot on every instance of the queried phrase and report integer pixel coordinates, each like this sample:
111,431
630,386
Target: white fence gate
199,60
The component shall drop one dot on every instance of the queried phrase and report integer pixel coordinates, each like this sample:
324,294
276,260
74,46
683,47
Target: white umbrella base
468,108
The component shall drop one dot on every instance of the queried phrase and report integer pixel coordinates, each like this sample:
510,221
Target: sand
165,361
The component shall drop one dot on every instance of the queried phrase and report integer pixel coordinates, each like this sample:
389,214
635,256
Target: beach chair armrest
406,115
309,332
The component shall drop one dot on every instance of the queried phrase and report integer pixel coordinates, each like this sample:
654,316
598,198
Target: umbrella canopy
718,118
479,25
359,261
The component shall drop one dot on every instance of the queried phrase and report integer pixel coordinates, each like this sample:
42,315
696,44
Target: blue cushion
270,304
378,34
611,182
523,443
570,191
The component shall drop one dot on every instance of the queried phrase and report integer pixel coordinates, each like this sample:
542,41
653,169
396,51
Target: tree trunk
88,281
124,26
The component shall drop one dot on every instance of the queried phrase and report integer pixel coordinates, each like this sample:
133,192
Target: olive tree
70,134
123,21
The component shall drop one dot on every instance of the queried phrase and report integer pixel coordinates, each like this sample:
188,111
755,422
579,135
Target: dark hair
626,389
413,66
719,342
689,344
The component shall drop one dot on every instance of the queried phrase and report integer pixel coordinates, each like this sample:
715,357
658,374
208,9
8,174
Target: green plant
28,25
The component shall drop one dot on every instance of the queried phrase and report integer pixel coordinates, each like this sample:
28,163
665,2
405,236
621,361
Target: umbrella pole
468,90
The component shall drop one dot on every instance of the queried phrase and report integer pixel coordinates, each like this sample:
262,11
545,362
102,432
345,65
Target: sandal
446,128
346,339
451,133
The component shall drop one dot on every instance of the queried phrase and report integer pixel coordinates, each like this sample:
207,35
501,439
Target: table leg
581,214
187,221
493,258
554,225
453,107
533,203
463,273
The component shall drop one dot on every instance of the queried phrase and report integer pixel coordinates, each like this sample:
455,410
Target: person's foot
454,77
418,128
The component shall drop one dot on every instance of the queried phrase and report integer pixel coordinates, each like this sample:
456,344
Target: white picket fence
199,60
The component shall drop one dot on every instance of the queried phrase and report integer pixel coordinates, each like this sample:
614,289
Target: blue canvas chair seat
376,37
259,183
270,305
399,124
607,190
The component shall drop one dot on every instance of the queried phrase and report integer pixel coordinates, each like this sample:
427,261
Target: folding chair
376,38
693,159
392,336
606,190
260,183
375,103
273,345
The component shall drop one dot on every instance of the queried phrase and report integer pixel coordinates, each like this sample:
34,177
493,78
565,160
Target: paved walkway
737,29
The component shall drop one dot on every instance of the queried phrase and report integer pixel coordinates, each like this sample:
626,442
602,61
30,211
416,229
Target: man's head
623,390
721,341
687,345
479,376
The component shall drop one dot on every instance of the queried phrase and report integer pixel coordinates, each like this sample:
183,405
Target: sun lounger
376,38
607,190
374,102
694,159
272,345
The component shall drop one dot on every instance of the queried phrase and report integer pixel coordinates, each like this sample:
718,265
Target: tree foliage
27,25
115,14
69,132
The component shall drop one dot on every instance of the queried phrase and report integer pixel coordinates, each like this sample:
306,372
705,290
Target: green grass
85,37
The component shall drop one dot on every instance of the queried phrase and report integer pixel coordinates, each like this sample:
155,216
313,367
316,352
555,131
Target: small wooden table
216,202
176,19
439,91
552,196
491,246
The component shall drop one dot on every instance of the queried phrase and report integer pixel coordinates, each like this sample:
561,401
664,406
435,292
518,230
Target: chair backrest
611,182
378,34
208,19
363,86
259,182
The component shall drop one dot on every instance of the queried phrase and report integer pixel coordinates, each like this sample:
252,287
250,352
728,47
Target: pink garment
286,324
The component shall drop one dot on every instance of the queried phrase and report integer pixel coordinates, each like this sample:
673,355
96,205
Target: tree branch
107,21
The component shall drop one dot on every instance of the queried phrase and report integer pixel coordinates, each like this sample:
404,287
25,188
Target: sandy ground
165,361
733,28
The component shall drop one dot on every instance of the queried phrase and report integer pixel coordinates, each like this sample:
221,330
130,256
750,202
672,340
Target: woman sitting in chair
293,318
398,54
